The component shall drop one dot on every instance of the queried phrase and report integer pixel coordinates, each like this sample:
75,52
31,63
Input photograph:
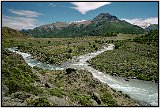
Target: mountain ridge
12,33
100,25
152,27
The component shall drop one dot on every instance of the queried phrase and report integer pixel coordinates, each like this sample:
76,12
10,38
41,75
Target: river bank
135,91
139,90
57,87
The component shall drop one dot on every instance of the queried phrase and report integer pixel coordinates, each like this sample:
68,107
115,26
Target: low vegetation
107,98
150,39
57,92
38,102
82,99
75,88
59,50
132,58
16,74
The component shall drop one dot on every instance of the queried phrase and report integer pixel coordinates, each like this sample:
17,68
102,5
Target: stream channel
145,92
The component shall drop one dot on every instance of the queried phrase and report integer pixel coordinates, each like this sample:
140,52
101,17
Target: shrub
17,75
107,98
57,92
39,102
82,99
127,96
70,50
118,44
49,42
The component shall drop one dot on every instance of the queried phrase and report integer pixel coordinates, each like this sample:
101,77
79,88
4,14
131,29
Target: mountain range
152,27
101,25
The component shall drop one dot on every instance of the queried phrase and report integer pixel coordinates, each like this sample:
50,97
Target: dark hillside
150,39
12,33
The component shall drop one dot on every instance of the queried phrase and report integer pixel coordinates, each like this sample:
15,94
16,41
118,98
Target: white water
33,62
146,91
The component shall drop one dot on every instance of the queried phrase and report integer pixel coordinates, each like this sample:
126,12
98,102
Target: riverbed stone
58,101
20,95
5,89
94,102
96,97
70,70
49,85
8,101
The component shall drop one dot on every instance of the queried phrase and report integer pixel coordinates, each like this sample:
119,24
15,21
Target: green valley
78,54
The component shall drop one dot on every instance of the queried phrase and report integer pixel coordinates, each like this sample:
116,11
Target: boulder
49,85
20,95
5,89
94,102
3,94
8,101
96,97
70,70
58,101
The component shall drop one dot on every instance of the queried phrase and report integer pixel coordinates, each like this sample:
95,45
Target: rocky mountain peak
57,25
105,16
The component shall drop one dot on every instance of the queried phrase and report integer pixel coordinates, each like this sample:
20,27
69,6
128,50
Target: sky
28,15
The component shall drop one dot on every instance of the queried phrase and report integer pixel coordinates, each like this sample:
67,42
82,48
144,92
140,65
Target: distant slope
151,38
152,27
102,24
12,33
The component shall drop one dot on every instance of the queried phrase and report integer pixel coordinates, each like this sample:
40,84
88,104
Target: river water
142,91
33,62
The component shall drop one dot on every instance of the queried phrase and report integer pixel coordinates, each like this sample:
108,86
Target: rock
134,77
114,74
8,101
94,102
5,89
126,79
96,97
20,95
58,101
38,80
48,85
143,103
3,94
69,70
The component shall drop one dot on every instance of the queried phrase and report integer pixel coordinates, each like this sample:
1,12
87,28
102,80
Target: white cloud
21,19
19,22
26,13
84,7
52,5
143,22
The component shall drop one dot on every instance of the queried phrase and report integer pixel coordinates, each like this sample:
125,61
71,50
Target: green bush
107,98
17,75
127,96
39,102
118,44
151,38
131,59
57,92
82,99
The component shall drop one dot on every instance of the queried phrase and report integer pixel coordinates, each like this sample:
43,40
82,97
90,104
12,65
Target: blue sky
24,15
